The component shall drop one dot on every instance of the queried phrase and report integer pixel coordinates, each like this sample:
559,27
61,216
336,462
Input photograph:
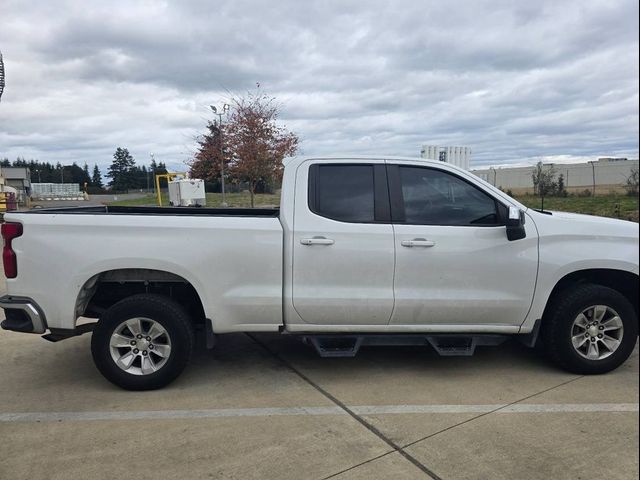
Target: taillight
9,232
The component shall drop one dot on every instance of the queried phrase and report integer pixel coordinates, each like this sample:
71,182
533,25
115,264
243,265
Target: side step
58,334
453,346
334,345
445,345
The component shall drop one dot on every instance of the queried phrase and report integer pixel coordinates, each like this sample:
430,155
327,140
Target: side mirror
515,224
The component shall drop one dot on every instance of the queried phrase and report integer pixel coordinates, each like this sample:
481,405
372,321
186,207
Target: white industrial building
459,156
18,178
606,174
56,191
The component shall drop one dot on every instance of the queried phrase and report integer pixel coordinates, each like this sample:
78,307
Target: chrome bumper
22,315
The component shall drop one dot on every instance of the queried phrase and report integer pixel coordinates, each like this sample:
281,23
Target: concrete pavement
265,406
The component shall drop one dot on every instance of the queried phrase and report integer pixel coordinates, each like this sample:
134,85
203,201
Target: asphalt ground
267,407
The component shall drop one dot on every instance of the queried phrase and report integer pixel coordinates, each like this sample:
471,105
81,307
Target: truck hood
574,223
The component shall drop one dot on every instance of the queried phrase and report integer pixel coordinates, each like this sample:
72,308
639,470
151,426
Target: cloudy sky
517,81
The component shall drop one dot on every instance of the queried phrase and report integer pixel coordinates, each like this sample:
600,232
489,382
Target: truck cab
403,245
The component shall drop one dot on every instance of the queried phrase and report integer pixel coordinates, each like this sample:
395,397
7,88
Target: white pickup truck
363,251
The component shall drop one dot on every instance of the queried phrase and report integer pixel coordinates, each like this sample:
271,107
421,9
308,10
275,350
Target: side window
434,197
343,192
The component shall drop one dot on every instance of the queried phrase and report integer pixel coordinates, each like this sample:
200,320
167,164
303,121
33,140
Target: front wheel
590,329
142,342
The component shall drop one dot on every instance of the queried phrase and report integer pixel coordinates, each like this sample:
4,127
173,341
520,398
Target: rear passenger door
343,245
454,263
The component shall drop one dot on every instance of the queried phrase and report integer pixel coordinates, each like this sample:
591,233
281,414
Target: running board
58,334
445,345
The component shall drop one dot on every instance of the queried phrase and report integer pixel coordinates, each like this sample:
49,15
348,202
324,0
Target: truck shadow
242,365
290,351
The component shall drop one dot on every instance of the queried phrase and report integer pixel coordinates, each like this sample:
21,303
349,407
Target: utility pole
223,111
593,170
153,174
495,174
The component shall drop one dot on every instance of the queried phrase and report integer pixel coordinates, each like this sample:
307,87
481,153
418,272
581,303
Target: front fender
562,255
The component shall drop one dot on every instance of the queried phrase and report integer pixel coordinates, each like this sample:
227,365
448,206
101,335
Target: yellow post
158,190
169,177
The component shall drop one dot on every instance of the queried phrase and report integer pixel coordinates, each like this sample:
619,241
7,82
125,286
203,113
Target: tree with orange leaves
256,142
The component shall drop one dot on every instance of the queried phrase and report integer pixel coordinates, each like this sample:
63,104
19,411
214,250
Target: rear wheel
142,342
590,329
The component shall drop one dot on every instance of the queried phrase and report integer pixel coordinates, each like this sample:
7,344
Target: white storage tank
187,193
458,156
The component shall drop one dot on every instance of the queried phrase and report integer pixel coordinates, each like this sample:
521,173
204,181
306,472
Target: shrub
632,182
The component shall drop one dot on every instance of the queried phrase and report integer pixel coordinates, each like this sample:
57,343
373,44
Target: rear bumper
22,315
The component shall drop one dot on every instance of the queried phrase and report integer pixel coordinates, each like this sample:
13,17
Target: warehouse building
605,175
18,178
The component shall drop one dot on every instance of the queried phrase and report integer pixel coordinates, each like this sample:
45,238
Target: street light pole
153,174
224,110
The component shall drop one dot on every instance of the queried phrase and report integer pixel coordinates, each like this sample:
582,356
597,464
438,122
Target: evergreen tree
120,170
75,174
96,178
86,174
212,152
58,176
158,169
161,168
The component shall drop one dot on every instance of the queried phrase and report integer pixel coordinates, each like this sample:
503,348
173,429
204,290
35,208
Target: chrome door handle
317,241
418,242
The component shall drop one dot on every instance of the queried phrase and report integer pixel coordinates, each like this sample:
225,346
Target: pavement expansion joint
496,410
354,415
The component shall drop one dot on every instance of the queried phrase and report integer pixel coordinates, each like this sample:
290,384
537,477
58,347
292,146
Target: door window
434,197
344,193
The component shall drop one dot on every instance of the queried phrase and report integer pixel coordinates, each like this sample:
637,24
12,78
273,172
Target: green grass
213,200
137,202
615,206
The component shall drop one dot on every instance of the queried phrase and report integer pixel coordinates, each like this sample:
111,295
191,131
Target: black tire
558,323
170,315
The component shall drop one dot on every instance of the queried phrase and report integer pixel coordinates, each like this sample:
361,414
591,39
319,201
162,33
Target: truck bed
232,257
167,211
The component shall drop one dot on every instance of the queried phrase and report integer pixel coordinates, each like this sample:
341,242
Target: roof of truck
300,159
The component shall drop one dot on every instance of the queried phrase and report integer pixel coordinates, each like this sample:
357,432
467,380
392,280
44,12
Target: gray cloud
516,82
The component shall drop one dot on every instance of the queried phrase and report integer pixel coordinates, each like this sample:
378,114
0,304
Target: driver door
454,263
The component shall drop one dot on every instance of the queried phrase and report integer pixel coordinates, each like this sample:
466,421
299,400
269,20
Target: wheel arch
622,281
108,287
